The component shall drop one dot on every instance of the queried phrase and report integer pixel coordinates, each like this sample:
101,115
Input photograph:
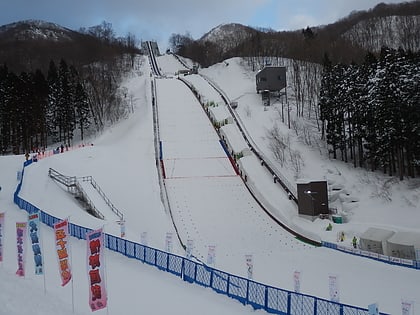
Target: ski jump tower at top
153,45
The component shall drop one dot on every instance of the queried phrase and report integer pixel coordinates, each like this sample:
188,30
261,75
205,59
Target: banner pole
105,270
2,231
43,261
71,264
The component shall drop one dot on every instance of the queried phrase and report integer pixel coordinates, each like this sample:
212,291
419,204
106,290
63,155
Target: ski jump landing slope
210,203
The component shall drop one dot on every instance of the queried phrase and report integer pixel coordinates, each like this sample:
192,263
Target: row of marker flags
95,260
94,255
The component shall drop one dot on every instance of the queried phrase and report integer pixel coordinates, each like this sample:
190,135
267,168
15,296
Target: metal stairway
75,188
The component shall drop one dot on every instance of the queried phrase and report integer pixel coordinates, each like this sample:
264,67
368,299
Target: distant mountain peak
228,36
225,30
35,29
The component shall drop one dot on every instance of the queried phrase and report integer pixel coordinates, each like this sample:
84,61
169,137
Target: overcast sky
158,19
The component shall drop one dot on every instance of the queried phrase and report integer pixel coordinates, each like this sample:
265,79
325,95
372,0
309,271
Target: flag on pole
61,232
33,222
211,255
143,238
296,280
334,290
407,307
95,262
20,242
1,235
249,266
168,242
373,309
190,248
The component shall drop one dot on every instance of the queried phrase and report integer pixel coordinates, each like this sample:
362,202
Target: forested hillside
56,83
345,41
370,113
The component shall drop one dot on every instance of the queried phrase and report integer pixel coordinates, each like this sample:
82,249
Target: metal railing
281,179
103,195
73,185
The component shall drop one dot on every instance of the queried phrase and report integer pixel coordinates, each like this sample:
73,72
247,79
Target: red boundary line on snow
196,158
205,176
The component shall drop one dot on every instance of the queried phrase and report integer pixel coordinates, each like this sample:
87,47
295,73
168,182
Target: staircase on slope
75,188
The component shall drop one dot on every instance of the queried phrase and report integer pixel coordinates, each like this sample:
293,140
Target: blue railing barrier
248,292
414,264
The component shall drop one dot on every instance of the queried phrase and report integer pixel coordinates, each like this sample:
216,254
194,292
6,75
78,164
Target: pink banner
61,231
1,235
95,261
20,242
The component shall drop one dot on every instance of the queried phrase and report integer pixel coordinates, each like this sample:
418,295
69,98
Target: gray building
271,79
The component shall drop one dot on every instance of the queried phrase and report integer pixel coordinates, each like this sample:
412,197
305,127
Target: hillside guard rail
73,185
248,292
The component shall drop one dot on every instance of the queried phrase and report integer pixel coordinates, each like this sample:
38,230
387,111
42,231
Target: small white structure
404,245
374,240
219,115
235,142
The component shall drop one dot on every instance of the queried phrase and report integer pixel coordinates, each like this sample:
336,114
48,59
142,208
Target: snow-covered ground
211,206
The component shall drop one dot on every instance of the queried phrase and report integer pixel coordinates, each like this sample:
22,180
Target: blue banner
33,222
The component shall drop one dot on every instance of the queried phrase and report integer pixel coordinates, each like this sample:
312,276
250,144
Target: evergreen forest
371,111
38,109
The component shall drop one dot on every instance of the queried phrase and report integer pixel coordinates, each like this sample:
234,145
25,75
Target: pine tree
4,109
364,114
335,120
63,102
40,88
80,102
51,118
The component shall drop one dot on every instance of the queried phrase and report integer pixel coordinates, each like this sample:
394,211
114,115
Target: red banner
20,242
61,239
95,262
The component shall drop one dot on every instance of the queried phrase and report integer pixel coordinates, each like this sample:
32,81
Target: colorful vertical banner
249,266
95,257
373,309
20,242
407,307
334,290
33,222
1,235
211,255
190,248
143,238
296,280
168,242
61,230
121,223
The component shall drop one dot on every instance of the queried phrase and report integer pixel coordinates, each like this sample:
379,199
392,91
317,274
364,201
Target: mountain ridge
36,30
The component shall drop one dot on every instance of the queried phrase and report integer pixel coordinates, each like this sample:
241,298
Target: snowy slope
122,161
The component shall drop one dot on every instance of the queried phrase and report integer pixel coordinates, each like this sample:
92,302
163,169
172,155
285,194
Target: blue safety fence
248,292
414,264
